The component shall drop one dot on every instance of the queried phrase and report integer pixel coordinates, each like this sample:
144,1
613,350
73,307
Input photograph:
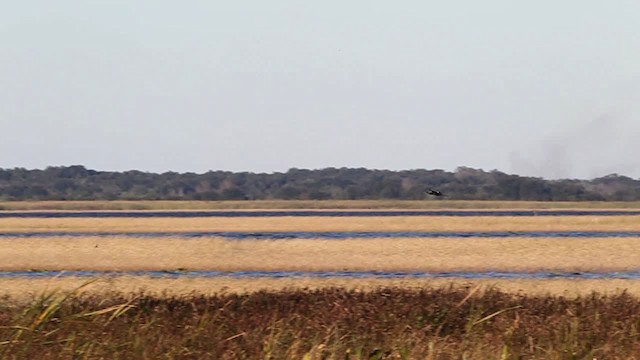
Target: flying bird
434,192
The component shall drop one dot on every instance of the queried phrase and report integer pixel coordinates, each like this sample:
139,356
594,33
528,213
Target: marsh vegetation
376,254
329,323
223,318
324,224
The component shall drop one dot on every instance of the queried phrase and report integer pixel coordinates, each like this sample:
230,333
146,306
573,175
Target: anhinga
433,192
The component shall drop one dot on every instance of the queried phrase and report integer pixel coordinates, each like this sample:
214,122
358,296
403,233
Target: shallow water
332,235
328,274
304,213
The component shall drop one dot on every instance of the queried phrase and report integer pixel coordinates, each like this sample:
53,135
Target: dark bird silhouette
434,192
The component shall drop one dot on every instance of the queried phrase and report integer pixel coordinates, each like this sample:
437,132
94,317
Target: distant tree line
79,183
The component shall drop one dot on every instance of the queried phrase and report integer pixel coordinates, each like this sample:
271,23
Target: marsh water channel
328,274
337,235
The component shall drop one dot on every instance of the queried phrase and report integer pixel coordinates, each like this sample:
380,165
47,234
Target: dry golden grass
387,254
25,289
408,254
315,224
310,204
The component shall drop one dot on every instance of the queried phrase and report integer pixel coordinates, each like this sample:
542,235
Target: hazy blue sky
543,88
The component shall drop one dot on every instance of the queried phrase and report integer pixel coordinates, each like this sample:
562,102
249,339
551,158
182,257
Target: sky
538,88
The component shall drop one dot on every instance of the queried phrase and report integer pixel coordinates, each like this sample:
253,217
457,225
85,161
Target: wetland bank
402,316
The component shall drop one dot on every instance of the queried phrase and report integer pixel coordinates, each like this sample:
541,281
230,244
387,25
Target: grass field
316,224
311,204
386,254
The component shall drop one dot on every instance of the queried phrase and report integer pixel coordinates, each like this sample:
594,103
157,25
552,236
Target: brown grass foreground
385,254
330,323
315,224
310,204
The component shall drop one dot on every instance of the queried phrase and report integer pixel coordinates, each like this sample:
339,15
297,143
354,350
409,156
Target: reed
330,323
25,290
322,224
